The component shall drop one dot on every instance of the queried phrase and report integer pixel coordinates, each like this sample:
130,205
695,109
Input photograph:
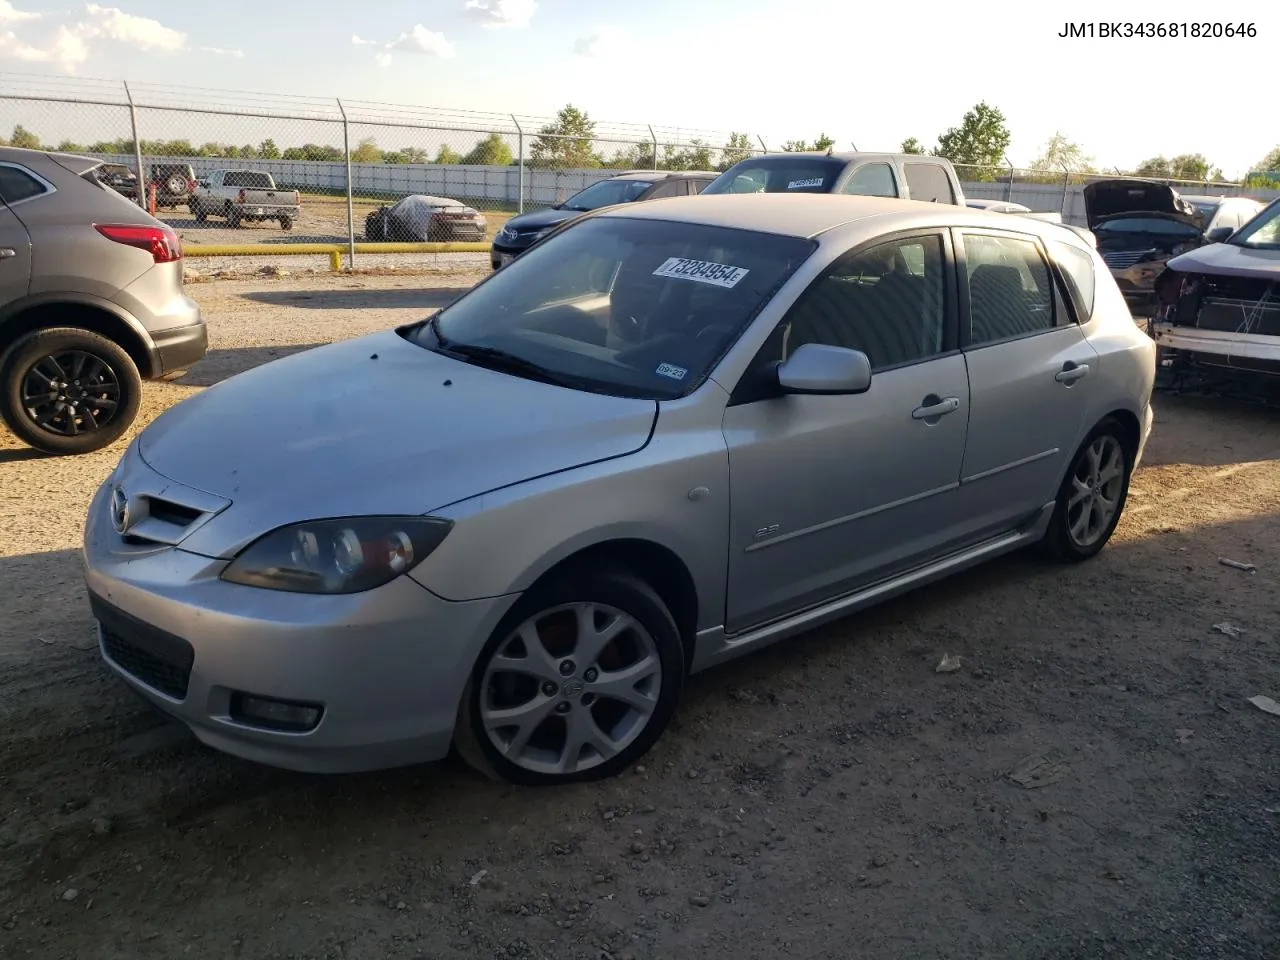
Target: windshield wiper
497,359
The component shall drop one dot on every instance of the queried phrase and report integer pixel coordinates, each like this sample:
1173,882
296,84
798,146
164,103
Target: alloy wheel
70,393
1097,484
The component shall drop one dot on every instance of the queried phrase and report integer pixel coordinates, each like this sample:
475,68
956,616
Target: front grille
1123,259
151,656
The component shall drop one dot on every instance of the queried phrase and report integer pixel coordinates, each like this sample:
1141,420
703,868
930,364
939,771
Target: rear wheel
233,218
286,223
67,391
577,682
1092,496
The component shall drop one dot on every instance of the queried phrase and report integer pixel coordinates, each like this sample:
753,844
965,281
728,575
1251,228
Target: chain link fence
347,160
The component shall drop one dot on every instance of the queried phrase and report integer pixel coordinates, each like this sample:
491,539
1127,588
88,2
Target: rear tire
286,223
576,707
233,219
1092,496
68,391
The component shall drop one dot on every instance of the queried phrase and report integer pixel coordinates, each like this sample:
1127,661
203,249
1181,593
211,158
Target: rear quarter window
17,185
928,182
1077,268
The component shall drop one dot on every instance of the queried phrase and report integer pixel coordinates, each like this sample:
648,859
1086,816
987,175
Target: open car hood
1230,260
1104,199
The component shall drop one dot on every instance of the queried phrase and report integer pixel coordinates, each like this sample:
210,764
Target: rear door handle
935,407
1071,372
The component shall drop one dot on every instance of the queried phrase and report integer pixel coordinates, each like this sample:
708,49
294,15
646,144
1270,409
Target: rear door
1032,373
17,186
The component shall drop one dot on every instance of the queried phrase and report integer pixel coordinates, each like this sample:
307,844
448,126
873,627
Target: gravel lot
829,798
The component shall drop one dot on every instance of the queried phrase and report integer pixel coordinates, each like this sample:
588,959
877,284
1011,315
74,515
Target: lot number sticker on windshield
802,184
671,371
702,271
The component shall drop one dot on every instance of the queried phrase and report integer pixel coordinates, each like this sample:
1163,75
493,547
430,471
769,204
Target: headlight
346,555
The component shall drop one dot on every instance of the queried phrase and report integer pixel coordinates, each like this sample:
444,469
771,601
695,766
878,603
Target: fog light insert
270,714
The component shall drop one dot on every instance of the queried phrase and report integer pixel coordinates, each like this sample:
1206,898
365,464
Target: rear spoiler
75,164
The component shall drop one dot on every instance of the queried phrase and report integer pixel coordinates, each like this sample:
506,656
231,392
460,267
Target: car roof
809,214
846,156
662,174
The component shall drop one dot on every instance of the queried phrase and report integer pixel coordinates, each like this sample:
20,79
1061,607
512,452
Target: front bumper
386,667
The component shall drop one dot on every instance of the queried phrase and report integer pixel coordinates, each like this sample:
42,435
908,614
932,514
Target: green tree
1060,153
566,142
492,151
366,151
1186,166
911,145
696,156
268,150
979,141
820,145
736,149
70,146
24,138
1270,163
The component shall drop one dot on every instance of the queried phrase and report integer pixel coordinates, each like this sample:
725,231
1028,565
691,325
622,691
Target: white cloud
12,46
219,52
11,14
363,43
112,23
601,42
382,58
502,13
422,40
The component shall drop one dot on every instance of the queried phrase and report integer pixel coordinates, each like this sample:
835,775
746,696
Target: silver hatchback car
669,434
91,302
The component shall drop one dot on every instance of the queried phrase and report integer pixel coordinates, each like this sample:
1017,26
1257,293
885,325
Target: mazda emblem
119,510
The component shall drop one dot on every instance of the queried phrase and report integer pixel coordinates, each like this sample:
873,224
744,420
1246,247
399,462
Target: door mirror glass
1218,234
820,368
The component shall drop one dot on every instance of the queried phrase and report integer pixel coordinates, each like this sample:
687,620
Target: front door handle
935,407
7,252
1071,372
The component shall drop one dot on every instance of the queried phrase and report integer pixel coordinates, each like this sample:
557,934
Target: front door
15,259
1031,372
829,493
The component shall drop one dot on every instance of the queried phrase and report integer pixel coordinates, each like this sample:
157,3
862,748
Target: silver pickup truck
243,196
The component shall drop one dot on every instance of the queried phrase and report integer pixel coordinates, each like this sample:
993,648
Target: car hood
1229,260
1104,199
539,219
375,425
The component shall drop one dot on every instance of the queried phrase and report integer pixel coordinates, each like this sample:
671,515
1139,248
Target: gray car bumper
387,667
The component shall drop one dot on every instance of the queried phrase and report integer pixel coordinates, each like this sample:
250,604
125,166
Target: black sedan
524,231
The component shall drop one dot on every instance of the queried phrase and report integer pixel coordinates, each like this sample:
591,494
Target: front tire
68,391
576,684
1092,496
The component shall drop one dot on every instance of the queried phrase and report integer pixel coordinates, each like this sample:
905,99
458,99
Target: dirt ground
323,219
833,797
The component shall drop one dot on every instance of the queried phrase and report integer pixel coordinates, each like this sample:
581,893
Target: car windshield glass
1150,225
605,193
1262,232
779,175
628,307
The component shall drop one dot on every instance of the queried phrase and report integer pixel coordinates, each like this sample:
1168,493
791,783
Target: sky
869,75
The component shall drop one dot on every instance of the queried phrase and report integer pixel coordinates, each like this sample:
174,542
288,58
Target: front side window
887,301
1010,288
17,185
628,307
605,194
872,180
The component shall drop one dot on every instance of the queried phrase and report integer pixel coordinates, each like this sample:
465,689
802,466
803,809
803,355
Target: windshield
628,307
779,175
605,193
1262,232
1156,226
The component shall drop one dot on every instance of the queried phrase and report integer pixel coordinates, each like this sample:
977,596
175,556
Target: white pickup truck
243,196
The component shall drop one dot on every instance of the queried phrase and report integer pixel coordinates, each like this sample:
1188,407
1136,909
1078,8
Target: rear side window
17,185
929,182
872,180
779,174
1077,267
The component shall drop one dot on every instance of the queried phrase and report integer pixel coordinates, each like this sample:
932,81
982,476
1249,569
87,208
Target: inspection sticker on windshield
802,184
703,271
671,371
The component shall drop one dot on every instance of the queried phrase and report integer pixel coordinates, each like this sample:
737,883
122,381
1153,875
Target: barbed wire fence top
349,158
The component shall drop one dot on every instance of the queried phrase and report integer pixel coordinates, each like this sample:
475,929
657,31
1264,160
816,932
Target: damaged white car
1219,312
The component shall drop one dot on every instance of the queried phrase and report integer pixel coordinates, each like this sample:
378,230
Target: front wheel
1092,496
68,391
577,682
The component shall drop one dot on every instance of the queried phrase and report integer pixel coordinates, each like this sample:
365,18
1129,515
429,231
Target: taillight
240,197
191,186
162,243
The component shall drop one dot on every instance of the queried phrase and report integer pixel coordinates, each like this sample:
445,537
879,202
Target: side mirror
822,369
1218,234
